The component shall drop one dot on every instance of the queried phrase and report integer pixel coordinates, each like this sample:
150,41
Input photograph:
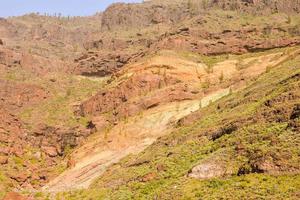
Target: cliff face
259,6
121,15
102,44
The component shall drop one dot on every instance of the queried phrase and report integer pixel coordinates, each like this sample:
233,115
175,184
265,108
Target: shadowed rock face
102,64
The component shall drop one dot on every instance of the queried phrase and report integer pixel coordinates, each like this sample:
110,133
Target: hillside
244,146
181,99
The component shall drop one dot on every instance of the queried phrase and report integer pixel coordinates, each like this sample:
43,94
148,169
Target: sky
66,7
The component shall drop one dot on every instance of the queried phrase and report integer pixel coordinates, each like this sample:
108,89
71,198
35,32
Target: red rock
27,186
101,122
20,177
14,196
17,150
71,163
3,160
121,98
4,150
3,136
108,63
50,151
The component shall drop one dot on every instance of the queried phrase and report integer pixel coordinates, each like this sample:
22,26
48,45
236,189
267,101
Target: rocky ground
165,100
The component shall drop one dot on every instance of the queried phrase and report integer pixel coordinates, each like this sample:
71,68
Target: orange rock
20,177
71,163
50,151
14,196
3,160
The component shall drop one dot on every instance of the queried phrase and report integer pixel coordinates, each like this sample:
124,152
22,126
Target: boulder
50,151
217,166
207,171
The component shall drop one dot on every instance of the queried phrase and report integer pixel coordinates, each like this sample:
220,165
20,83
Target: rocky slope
173,99
243,146
133,112
36,94
188,26
31,151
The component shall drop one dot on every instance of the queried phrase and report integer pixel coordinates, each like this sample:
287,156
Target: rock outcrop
225,42
193,33
101,64
259,6
210,169
36,150
54,141
50,143
121,15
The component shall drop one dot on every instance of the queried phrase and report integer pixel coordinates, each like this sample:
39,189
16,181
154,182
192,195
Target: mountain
182,99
